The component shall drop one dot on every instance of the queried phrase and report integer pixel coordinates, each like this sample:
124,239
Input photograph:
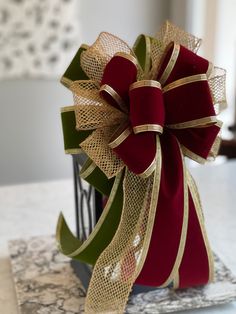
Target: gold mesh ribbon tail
121,262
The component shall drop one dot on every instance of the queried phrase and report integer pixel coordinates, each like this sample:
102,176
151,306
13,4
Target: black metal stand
88,202
88,209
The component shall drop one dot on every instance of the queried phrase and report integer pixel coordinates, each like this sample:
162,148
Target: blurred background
39,38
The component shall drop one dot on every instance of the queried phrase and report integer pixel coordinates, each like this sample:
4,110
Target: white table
32,209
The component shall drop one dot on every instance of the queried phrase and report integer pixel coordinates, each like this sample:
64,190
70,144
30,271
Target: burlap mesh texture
167,34
91,110
217,82
170,32
96,147
117,266
94,60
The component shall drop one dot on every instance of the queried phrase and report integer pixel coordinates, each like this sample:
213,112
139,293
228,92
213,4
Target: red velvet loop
188,102
146,108
137,151
109,99
119,73
188,63
165,241
198,140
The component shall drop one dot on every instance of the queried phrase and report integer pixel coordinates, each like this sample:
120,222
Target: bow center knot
146,106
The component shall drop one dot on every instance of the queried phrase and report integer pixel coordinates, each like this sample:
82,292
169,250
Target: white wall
202,19
214,22
124,18
30,130
178,13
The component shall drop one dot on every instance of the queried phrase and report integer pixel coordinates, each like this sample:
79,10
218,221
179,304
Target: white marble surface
32,209
45,284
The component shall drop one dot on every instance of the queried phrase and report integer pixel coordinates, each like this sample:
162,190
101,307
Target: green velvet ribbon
74,71
72,138
106,227
96,177
90,250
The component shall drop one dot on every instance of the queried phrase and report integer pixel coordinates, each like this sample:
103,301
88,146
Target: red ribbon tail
197,266
164,254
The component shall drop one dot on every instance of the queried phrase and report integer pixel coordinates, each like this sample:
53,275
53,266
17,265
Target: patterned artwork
45,284
38,38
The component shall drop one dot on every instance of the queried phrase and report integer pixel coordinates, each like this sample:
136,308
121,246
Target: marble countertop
27,210
32,209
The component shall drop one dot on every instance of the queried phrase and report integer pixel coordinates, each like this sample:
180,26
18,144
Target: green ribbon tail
95,177
102,234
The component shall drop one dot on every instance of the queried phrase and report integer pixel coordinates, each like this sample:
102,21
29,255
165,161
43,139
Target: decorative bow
146,109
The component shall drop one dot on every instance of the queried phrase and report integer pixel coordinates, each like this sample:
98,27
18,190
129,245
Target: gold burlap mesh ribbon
92,112
100,53
121,262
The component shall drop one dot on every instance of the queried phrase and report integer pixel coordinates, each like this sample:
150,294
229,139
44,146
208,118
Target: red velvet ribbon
152,109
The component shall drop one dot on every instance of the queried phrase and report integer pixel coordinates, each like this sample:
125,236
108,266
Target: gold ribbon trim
170,65
120,138
184,81
74,151
128,57
145,83
87,168
115,96
194,123
148,127
197,203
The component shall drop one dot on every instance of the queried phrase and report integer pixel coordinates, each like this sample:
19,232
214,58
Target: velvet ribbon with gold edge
145,109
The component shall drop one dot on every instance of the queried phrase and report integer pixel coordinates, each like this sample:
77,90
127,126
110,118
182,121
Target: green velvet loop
101,236
74,71
142,50
95,177
72,137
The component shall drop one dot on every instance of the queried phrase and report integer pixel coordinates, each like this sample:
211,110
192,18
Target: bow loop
188,99
179,62
120,72
137,151
197,143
